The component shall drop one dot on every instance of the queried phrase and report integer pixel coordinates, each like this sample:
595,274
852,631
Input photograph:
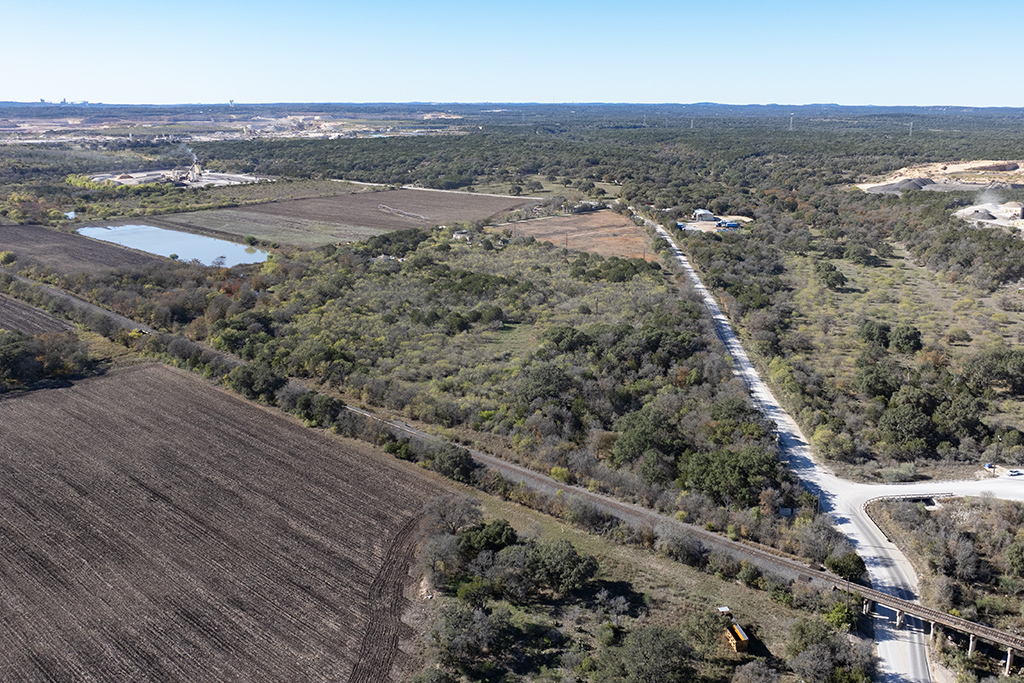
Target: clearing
948,177
600,232
345,218
67,253
991,214
166,530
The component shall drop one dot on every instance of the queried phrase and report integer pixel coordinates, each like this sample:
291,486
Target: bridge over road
975,630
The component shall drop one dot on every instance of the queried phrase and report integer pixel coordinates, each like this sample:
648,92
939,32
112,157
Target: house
703,215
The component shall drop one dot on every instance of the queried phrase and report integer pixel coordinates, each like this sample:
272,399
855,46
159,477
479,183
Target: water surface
184,245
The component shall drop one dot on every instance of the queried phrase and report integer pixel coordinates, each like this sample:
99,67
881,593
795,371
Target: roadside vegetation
890,363
969,555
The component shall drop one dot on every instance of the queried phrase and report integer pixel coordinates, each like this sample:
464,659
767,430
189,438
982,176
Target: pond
185,246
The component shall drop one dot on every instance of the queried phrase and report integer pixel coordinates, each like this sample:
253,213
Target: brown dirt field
313,222
601,232
21,317
67,253
164,530
362,210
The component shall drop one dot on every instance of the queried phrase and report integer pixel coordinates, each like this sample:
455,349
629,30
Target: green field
270,229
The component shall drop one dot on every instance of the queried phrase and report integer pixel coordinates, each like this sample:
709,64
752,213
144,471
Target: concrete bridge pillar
1009,661
867,607
899,618
970,646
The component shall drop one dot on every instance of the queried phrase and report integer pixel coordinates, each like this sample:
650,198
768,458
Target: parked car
1015,473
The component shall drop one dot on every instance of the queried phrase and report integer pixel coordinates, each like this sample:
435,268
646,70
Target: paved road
902,653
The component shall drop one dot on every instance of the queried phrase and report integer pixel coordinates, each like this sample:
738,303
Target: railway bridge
762,555
902,608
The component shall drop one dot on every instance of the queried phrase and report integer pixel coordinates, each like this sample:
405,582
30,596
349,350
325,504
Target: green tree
849,565
834,280
476,592
453,462
859,254
805,632
733,476
703,631
829,275
649,654
880,378
493,536
840,616
905,339
559,567
257,380
468,639
904,427
1014,555
874,332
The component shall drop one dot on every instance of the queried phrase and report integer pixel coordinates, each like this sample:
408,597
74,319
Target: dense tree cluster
25,359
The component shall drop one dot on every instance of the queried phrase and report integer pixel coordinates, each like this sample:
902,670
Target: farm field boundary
317,221
21,317
68,253
362,209
599,232
169,530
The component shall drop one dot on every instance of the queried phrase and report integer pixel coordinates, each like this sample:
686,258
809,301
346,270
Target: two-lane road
902,653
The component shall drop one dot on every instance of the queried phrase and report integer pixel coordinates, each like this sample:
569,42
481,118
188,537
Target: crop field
347,217
67,253
164,530
600,232
270,228
21,317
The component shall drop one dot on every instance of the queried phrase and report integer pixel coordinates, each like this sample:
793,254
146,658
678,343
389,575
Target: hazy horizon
455,51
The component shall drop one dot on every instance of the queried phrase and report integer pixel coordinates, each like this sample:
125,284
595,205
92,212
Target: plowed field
67,253
347,217
156,529
20,317
600,232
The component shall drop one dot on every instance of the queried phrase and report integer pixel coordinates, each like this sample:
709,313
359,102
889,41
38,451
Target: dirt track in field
20,317
157,529
67,253
601,232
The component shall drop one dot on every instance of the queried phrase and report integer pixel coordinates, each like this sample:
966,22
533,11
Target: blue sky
731,51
